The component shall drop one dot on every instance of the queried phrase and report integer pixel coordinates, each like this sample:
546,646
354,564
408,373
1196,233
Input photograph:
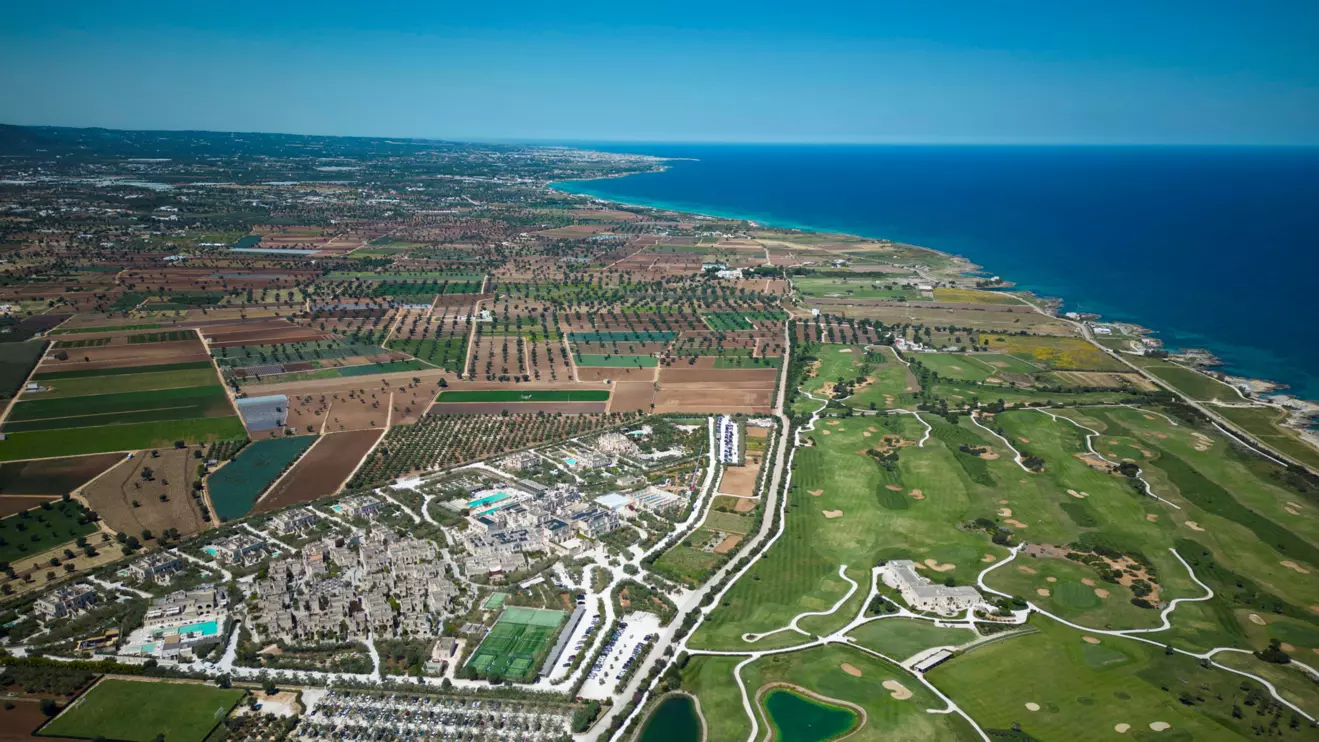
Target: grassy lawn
879,520
1192,383
901,638
1262,423
526,395
687,564
137,711
1083,690
858,287
821,670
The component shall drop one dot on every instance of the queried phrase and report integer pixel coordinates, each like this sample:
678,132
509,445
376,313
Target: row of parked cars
365,717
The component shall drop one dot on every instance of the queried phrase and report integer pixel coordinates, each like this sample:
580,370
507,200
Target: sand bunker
866,434
1031,706
892,488
1090,639
1002,502
917,495
1151,517
873,429
1043,592
844,350
1298,506
1023,440
1101,592
1292,510
1015,523
833,513
898,690
1159,726
1121,728
989,456
1078,495
989,558
824,432
1287,647
1087,582
937,567
1194,526
1051,579
1027,570
1294,566
1005,512
1255,619
850,670
815,493
834,422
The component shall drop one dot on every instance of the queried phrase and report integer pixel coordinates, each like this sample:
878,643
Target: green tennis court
517,643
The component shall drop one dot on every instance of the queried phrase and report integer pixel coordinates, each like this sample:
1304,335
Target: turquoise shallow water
1211,247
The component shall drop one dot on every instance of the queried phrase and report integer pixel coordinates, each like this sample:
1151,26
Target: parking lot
582,640
621,652
363,717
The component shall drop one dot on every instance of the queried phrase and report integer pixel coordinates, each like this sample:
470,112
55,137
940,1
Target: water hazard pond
797,718
673,720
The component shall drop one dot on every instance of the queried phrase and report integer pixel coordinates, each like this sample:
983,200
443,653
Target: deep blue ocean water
1210,247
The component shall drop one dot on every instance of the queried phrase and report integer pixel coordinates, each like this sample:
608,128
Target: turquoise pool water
497,497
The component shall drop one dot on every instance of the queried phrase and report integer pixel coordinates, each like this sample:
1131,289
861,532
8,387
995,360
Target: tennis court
517,643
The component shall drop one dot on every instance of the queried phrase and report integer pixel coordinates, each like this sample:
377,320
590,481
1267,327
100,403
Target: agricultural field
139,710
326,466
120,401
17,361
53,476
152,491
1060,353
237,485
35,531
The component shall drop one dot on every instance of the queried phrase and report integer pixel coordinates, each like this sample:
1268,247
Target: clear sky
1137,71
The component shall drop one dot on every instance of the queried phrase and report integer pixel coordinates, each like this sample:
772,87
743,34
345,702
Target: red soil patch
14,504
320,472
53,476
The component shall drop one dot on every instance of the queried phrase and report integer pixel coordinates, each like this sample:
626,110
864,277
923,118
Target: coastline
1302,413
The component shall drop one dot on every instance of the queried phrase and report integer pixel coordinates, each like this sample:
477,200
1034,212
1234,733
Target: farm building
264,413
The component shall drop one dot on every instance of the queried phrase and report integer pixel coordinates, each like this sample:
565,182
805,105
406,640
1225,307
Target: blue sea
1215,248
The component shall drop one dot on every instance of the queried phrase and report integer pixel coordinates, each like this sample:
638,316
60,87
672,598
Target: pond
797,718
673,720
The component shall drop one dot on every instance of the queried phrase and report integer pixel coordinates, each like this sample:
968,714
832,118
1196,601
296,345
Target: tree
268,686
49,707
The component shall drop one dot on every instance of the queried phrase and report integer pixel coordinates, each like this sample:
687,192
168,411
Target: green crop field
612,361
17,361
236,486
136,711
118,408
526,395
517,643
124,437
640,336
35,531
150,379
123,371
1189,381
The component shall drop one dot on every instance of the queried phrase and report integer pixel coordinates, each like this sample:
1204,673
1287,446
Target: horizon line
575,141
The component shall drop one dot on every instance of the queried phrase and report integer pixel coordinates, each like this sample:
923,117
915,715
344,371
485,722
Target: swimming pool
498,496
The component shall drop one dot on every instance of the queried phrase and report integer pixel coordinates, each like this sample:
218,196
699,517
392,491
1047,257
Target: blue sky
1146,71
